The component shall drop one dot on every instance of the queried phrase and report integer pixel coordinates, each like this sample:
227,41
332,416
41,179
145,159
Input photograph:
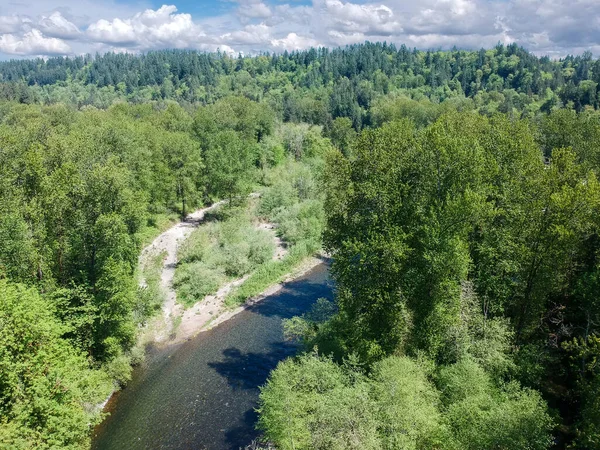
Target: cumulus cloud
56,25
12,24
32,43
251,35
148,30
368,18
253,9
294,42
554,27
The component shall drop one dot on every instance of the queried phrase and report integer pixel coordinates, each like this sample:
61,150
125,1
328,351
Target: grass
149,298
155,225
218,252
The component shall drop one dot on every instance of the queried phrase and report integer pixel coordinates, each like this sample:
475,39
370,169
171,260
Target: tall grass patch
219,252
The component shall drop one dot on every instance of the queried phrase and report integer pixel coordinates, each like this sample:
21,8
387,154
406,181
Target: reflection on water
201,394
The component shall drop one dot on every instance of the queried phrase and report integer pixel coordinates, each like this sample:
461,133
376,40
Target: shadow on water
239,437
295,299
202,394
249,370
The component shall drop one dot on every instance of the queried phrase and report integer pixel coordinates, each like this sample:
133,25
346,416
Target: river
201,394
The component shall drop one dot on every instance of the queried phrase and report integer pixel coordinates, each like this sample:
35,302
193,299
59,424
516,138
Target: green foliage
455,240
342,134
314,403
461,235
220,251
408,406
294,203
270,273
149,295
229,164
47,391
80,191
483,416
315,86
588,426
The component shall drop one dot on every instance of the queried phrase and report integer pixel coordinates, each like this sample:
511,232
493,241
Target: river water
201,394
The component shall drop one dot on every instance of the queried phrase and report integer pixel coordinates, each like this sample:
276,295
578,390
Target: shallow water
201,394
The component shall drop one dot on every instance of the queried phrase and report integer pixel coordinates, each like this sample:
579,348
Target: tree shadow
296,298
248,371
241,436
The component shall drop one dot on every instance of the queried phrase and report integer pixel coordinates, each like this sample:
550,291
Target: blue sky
204,8
197,8
71,27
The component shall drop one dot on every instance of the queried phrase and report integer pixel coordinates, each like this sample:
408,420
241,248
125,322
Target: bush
484,416
301,222
313,403
197,280
407,406
218,252
270,273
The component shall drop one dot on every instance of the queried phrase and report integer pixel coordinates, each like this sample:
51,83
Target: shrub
196,280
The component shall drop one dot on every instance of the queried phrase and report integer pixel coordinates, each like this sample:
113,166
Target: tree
342,134
184,160
229,165
45,384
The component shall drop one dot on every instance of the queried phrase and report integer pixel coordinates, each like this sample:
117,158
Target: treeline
80,192
314,85
466,257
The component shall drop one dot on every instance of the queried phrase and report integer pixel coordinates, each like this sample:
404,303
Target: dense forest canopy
465,255
303,83
461,207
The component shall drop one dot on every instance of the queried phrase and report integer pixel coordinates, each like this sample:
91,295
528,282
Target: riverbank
202,393
177,324
302,269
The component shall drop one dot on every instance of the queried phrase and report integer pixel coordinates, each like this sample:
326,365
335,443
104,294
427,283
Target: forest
455,191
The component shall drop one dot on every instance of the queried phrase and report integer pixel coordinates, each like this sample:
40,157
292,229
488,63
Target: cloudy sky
72,27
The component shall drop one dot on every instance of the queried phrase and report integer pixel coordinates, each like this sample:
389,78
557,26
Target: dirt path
169,242
177,324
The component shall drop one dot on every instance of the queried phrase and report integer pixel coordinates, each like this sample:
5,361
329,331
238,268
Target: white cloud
294,42
150,29
369,18
11,24
56,25
250,35
253,9
342,39
32,43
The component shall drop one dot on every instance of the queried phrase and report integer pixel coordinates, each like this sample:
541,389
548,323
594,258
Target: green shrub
313,403
301,222
218,252
270,273
196,280
484,416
